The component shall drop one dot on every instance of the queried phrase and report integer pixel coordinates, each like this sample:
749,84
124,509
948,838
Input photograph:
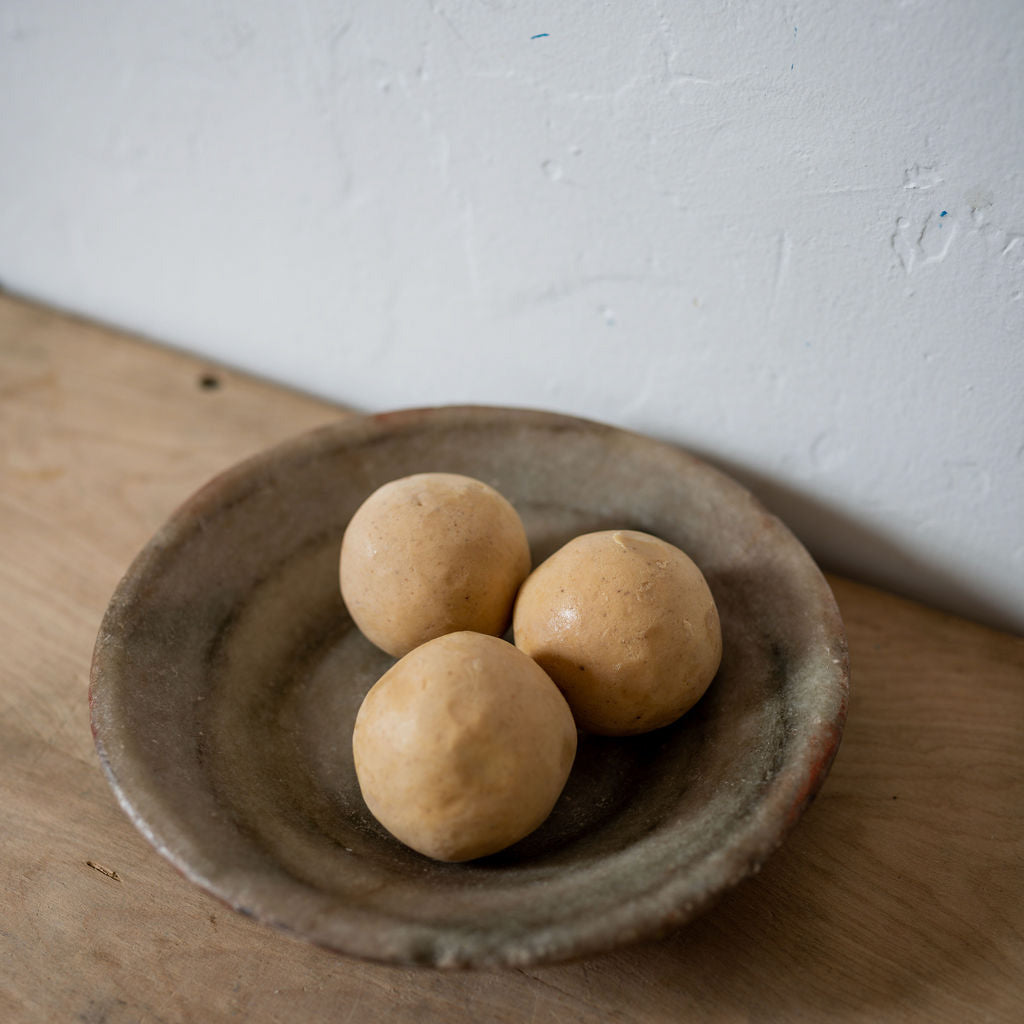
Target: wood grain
898,897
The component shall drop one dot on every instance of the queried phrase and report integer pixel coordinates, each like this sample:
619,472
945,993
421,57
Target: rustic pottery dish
227,675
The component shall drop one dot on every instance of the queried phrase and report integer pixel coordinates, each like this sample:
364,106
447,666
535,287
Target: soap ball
432,554
463,747
625,625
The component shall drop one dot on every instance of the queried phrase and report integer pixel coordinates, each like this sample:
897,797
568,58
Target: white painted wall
789,235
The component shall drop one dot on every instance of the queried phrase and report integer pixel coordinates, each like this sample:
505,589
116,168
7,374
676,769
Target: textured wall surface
787,235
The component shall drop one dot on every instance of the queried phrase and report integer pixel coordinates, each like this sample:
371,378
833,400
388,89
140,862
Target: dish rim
670,903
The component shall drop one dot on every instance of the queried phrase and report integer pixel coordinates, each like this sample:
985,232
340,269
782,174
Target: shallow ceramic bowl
227,676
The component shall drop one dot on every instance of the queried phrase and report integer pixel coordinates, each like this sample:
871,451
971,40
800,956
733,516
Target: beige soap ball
431,554
625,625
463,747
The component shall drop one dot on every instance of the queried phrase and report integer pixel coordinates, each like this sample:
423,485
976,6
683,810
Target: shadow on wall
843,545
839,543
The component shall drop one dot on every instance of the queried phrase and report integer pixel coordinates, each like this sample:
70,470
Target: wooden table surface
897,897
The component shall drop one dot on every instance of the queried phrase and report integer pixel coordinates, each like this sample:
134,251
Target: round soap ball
432,554
463,747
625,625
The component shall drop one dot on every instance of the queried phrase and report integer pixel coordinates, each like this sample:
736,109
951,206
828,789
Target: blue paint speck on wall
943,214
541,35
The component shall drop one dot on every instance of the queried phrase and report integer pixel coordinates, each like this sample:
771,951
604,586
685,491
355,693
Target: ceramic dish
227,675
